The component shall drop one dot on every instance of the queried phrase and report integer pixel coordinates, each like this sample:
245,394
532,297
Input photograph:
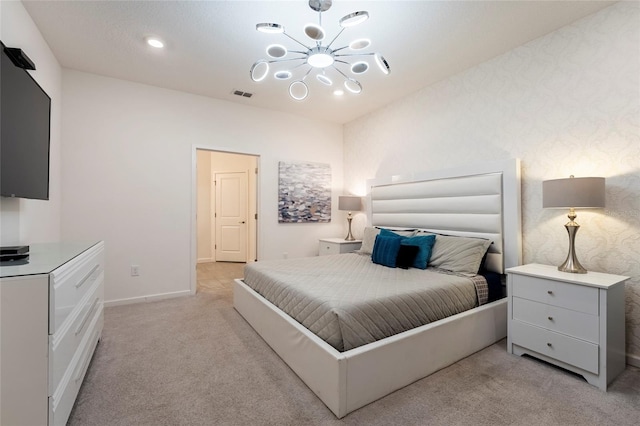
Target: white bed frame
346,381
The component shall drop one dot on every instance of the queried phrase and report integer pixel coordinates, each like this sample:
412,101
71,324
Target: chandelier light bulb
324,79
382,63
276,50
298,90
353,86
270,28
360,43
314,32
354,18
359,67
283,75
259,70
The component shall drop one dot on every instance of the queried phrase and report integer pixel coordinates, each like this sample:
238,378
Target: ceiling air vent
241,93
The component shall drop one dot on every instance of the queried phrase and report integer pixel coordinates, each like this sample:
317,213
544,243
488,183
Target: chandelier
322,61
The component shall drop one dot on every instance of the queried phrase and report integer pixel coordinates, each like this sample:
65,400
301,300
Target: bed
481,201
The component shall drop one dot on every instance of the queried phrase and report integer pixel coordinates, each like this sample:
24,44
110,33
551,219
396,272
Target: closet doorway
226,212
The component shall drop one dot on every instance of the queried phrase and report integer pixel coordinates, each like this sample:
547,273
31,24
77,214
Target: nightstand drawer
575,352
337,246
571,296
576,324
328,248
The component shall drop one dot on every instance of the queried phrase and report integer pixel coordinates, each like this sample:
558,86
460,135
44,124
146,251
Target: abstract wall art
304,192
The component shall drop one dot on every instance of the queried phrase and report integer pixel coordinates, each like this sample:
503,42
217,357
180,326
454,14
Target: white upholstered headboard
476,201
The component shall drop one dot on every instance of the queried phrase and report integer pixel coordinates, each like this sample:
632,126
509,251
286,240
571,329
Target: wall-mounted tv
25,113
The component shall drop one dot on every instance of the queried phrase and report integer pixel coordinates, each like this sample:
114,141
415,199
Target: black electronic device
11,253
19,58
25,113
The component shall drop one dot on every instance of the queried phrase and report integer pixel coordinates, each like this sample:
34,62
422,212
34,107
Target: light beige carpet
195,361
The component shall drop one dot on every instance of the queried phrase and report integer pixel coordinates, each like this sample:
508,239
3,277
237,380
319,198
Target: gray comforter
348,301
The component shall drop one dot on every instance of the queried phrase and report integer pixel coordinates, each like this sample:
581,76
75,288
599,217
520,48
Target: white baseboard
142,299
633,360
205,260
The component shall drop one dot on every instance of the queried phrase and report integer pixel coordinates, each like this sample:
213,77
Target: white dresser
51,317
337,246
575,321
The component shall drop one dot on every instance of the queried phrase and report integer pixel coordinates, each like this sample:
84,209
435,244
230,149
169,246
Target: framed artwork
304,192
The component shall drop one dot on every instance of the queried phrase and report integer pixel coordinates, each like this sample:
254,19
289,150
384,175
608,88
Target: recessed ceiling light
338,92
154,42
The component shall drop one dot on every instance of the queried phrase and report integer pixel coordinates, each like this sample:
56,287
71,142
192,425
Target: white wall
566,103
34,221
128,174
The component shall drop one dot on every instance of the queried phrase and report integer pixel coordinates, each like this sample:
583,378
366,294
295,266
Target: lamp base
571,263
349,234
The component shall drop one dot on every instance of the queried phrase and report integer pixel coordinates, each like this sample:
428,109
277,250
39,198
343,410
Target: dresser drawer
70,282
570,296
328,248
62,400
558,346
573,323
66,341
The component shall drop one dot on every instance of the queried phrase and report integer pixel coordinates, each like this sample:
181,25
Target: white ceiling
211,45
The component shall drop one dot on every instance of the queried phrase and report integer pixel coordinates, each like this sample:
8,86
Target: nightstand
337,246
575,321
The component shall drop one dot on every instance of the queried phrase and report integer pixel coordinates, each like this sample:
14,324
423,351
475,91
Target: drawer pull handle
550,318
86,277
87,315
549,292
83,368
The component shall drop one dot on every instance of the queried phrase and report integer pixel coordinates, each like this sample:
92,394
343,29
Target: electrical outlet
135,270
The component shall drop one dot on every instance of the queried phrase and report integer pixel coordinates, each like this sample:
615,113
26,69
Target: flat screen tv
25,112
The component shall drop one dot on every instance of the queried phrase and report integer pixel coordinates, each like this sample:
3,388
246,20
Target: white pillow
458,254
368,240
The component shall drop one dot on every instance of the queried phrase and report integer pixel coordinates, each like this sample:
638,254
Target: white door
231,217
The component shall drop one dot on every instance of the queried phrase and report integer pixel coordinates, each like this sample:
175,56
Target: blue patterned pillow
385,250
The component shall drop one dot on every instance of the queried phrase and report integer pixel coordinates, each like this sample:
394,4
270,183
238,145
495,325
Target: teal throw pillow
425,244
385,250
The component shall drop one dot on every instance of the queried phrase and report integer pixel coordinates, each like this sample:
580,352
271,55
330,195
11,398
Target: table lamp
573,193
349,203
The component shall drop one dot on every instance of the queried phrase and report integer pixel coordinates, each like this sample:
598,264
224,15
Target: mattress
348,301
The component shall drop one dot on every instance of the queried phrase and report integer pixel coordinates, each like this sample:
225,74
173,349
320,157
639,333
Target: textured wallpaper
566,103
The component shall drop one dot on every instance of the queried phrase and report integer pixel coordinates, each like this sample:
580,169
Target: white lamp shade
587,192
350,203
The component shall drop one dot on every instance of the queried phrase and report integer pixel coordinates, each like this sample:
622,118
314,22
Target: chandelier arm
334,39
343,74
305,76
298,66
340,48
287,60
342,62
357,54
300,43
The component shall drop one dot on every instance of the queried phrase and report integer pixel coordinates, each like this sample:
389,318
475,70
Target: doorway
225,214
